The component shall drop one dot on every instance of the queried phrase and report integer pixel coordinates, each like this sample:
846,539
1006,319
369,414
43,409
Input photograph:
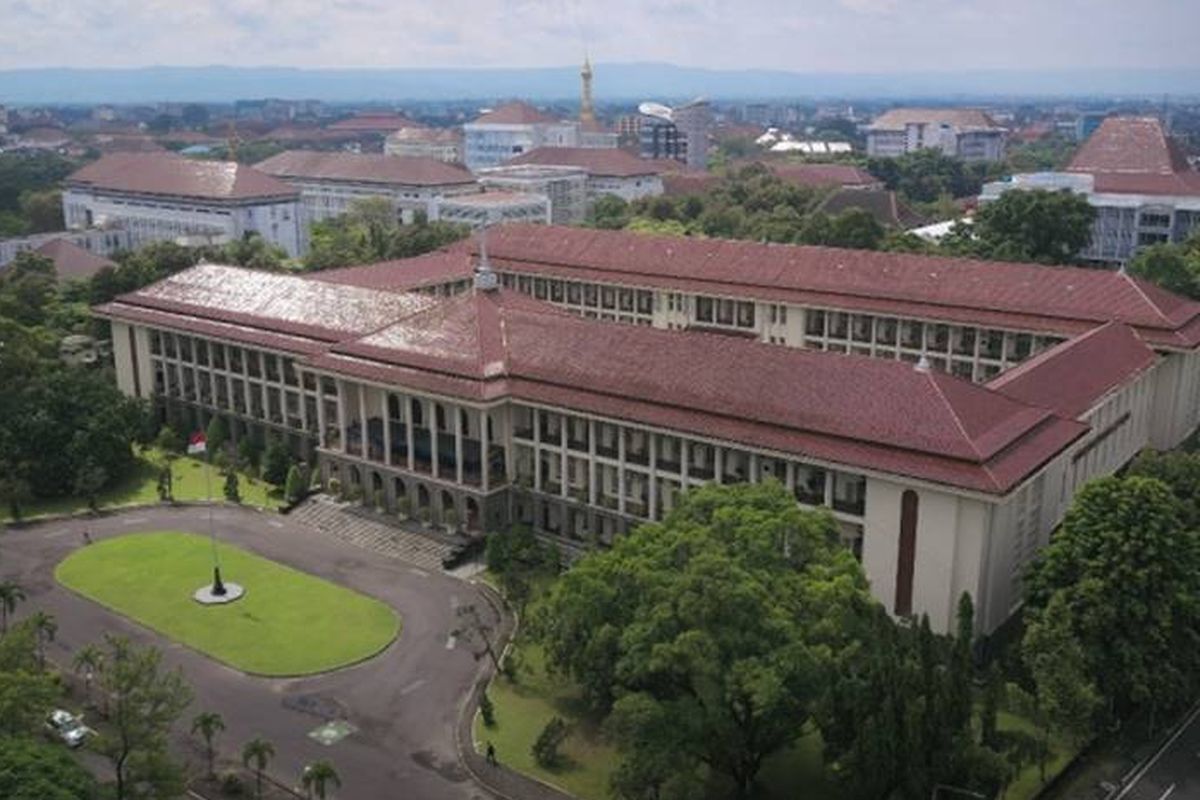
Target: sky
793,35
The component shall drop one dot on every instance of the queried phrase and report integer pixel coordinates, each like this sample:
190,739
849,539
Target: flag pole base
218,588
205,596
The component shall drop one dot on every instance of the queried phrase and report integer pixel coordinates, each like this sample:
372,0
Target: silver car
67,727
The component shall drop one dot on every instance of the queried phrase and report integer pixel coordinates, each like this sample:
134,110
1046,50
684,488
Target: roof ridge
933,377
1132,281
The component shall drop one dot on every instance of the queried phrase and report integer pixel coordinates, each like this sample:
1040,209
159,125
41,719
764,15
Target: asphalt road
404,701
1173,772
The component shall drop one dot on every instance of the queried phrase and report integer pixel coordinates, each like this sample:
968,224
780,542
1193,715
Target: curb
108,511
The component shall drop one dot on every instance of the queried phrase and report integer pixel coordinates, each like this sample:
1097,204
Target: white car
67,727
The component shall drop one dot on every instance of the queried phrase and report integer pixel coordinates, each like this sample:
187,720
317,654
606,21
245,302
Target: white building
162,196
330,182
1138,180
512,129
488,208
614,172
497,406
98,241
969,134
565,187
440,143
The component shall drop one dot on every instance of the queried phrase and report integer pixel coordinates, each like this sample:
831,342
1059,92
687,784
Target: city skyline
878,36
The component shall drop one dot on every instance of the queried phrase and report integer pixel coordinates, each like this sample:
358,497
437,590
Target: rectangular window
849,493
704,309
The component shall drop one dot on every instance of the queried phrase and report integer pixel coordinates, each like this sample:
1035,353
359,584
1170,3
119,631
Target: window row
256,364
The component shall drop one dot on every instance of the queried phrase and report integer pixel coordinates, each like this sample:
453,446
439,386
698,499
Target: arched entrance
474,517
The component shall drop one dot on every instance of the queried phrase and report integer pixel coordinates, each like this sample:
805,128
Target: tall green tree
1180,471
318,778
209,724
1174,267
11,593
1033,225
34,770
45,629
704,638
146,701
1124,571
88,662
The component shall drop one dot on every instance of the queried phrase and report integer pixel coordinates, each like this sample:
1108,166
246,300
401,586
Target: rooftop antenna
485,278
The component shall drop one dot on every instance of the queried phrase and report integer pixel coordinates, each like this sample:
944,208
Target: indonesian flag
197,444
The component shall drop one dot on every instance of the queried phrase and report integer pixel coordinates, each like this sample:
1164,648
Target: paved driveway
404,701
1174,771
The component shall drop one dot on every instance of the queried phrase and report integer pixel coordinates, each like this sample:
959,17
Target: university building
162,196
966,133
580,380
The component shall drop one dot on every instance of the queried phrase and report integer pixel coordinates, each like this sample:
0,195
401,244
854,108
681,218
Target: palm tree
89,661
259,751
11,593
209,724
45,628
317,778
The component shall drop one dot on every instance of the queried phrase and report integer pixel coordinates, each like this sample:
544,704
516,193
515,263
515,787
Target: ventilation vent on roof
922,365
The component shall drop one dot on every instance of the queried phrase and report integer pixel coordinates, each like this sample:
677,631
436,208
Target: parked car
67,728
464,552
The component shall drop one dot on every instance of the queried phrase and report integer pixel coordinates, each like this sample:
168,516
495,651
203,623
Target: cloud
801,35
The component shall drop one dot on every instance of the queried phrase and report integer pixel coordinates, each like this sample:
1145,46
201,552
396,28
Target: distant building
488,208
1138,180
614,172
162,196
566,187
98,242
330,182
679,134
969,134
444,144
512,129
844,176
380,124
1087,124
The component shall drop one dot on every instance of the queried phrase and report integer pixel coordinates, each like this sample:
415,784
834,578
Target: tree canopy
370,232
1174,267
1030,225
704,638
1123,573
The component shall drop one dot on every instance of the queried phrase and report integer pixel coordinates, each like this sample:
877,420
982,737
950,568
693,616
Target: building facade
1136,178
608,172
330,182
565,187
513,129
461,402
439,143
98,241
161,196
487,208
968,134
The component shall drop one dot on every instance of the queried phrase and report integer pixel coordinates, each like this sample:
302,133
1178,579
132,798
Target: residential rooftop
173,175
373,168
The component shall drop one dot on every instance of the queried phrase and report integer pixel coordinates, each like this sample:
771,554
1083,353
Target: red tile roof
678,184
71,261
861,412
365,168
845,175
432,269
606,162
170,174
1129,145
1067,300
1074,375
514,114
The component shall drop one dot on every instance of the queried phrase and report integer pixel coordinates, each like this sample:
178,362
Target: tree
257,752
11,593
217,433
704,638
169,441
517,557
276,461
1125,573
1180,471
1034,225
249,452
28,289
295,489
89,662
232,489
1174,267
545,748
35,770
89,480
370,232
26,691
45,628
1065,696
15,492
146,701
610,212
208,724
318,777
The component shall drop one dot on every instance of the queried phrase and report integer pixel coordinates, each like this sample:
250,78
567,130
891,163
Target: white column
363,449
718,464
621,469
593,471
484,455
321,421
433,436
652,489
341,395
458,446
387,428
408,432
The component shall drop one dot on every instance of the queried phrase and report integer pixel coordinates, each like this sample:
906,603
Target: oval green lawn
289,623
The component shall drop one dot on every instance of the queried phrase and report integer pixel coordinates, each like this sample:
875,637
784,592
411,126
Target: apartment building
330,182
512,129
440,143
1138,180
435,388
162,196
609,172
969,134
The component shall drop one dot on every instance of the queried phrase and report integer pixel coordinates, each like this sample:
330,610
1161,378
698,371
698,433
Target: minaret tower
587,112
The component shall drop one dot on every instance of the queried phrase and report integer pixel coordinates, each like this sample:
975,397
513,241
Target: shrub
276,461
296,487
232,490
545,749
249,452
217,434
335,486
232,785
487,710
169,441
379,499
403,507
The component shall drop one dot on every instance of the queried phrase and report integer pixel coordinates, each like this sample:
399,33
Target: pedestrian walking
491,754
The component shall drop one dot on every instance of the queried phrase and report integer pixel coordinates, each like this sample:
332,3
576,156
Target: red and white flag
197,444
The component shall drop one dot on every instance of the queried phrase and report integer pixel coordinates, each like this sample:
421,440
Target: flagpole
218,588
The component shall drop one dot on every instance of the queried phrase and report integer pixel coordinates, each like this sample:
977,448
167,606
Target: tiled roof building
967,133
431,391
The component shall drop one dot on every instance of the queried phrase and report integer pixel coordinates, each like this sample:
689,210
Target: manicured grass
141,487
289,622
523,709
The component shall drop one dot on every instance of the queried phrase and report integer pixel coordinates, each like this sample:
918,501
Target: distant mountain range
613,82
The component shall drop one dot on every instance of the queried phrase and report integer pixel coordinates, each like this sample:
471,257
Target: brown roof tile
170,174
961,118
607,162
72,261
517,113
1129,145
365,168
